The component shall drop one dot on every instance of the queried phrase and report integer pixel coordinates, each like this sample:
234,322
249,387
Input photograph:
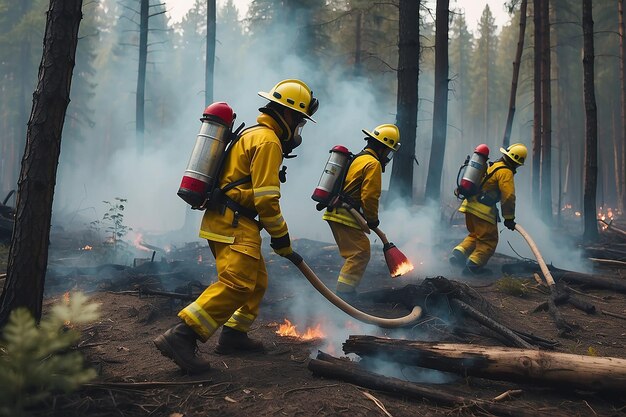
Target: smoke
107,165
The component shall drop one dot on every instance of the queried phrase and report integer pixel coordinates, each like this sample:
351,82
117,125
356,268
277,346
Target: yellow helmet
387,134
295,95
517,152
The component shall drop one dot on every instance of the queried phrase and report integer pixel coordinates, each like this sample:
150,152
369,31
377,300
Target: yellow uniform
481,214
236,240
363,186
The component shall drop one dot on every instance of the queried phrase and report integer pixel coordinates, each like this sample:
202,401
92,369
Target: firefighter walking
481,215
361,190
251,187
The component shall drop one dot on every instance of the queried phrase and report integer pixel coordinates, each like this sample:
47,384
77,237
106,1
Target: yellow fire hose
535,250
411,318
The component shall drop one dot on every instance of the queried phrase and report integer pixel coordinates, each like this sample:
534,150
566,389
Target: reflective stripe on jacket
363,185
257,153
499,187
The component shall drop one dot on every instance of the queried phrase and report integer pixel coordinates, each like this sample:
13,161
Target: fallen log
561,370
588,280
488,322
328,366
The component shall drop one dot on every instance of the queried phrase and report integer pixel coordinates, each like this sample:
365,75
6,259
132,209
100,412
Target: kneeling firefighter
481,215
361,190
250,186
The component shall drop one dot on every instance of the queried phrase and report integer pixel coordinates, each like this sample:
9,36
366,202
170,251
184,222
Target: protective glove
373,224
320,206
282,245
510,224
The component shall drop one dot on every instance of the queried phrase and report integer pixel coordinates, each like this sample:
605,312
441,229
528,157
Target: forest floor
278,383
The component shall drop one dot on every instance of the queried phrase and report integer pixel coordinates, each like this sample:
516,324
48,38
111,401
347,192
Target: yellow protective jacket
363,185
498,187
257,153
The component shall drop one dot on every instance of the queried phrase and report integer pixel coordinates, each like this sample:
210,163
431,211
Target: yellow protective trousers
482,240
234,299
354,247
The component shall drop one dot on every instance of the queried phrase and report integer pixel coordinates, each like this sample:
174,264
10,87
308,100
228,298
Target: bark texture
28,255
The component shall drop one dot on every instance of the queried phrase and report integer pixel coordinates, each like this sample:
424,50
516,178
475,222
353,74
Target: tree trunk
499,363
28,255
140,99
546,115
440,112
401,182
621,190
591,128
536,173
514,81
358,47
210,51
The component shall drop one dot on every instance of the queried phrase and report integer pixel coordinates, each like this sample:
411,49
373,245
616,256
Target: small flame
87,247
66,301
606,217
138,243
577,213
402,269
287,329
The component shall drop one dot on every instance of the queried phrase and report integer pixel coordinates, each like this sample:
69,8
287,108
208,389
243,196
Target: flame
605,216
138,243
66,301
577,213
402,269
287,329
87,247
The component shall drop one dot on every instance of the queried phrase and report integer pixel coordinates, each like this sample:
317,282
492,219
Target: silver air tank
200,175
332,175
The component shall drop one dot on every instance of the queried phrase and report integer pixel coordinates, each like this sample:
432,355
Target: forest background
354,76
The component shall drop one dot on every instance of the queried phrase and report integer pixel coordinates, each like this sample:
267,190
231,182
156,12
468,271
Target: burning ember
402,269
289,330
606,217
66,301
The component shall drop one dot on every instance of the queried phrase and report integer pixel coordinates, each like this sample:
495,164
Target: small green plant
113,222
512,286
36,361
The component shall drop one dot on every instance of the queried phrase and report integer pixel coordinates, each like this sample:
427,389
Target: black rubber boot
235,341
180,344
472,268
346,292
457,258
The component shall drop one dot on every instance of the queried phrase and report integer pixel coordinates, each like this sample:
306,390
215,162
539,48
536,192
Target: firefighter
361,190
481,215
251,187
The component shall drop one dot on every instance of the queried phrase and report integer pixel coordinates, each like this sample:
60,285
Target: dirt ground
279,383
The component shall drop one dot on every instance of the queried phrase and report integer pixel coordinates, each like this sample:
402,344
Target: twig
609,313
378,403
308,388
592,410
507,395
143,385
608,261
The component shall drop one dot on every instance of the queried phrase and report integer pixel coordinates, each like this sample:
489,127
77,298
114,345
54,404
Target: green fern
37,361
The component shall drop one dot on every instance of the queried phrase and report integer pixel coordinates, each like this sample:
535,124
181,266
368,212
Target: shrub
37,361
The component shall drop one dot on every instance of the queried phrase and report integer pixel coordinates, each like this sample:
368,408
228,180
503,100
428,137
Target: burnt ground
279,383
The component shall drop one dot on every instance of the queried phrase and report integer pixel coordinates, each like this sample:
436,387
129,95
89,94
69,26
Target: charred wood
328,366
500,363
588,280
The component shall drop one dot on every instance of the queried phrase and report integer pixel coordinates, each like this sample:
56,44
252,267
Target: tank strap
485,198
356,187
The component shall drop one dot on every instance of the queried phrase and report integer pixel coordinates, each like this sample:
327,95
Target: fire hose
535,251
411,318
